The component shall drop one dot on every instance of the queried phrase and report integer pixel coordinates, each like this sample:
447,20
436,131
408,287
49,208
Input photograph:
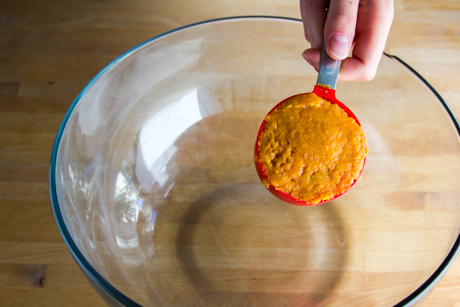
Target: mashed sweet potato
311,149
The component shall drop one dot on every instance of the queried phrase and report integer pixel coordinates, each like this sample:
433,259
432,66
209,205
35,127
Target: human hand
358,25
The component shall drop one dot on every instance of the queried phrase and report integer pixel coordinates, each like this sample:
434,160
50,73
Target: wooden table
50,49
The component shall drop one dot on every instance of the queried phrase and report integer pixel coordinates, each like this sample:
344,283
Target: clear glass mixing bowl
154,189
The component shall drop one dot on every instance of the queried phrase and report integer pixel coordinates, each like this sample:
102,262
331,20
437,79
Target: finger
313,56
340,26
313,14
373,26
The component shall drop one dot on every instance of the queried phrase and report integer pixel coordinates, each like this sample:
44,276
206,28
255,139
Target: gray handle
328,70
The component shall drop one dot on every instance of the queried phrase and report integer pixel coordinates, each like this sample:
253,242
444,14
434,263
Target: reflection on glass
157,137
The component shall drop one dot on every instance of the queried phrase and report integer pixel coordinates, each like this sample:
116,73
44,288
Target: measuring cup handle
328,70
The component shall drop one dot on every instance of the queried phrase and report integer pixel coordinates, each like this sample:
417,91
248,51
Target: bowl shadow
221,239
260,251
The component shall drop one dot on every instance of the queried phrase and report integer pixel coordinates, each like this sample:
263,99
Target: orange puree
310,149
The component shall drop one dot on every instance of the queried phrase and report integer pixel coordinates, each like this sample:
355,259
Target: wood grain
50,49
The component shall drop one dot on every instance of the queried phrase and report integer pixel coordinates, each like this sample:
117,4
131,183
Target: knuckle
367,75
383,3
383,10
346,17
343,18
311,8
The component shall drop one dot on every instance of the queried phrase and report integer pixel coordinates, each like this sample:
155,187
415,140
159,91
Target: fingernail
309,60
339,46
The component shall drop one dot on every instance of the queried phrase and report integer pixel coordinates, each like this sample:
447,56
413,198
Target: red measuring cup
325,88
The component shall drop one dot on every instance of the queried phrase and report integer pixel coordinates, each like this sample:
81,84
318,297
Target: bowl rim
91,272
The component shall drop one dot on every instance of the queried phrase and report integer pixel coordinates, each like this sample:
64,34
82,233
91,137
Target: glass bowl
154,189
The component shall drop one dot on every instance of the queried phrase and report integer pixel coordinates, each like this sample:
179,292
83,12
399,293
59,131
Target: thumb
339,30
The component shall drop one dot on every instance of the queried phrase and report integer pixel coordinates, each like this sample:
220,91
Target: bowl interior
156,184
